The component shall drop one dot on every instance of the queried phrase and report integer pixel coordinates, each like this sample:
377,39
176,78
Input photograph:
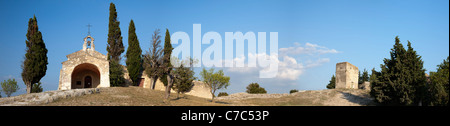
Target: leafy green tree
439,86
184,77
153,59
332,83
9,86
34,66
37,88
134,53
254,88
402,78
214,80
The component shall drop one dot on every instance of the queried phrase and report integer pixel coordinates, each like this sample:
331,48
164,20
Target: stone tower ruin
346,76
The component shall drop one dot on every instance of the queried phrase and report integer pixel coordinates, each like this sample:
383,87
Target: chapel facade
86,68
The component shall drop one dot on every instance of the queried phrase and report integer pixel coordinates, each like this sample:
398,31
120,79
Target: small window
78,82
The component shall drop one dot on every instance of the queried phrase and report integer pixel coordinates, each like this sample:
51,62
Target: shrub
222,94
332,83
254,88
293,91
37,88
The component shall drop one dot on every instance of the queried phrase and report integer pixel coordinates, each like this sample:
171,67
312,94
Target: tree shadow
222,102
219,102
178,98
364,100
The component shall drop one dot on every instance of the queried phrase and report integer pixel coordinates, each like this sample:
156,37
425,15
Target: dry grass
333,97
132,96
135,96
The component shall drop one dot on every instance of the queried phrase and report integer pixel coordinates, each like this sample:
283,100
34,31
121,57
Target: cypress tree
134,52
376,88
116,74
332,83
167,50
439,85
393,75
365,76
115,45
416,78
115,48
34,66
402,77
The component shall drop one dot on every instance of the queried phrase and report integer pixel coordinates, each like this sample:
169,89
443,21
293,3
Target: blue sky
317,34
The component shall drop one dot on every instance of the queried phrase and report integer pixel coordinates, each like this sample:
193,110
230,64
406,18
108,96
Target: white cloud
308,48
290,67
318,62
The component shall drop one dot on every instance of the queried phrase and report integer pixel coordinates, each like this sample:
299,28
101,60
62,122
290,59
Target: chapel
85,68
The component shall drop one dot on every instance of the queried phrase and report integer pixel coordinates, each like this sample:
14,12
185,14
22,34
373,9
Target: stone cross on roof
89,29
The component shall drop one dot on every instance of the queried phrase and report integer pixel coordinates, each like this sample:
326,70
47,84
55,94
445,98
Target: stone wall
346,76
365,86
199,89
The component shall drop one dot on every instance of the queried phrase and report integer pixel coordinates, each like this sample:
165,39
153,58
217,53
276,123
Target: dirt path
329,97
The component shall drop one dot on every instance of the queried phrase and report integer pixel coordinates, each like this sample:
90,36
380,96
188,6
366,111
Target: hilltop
135,96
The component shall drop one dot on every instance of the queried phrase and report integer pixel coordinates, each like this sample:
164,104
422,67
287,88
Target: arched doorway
85,75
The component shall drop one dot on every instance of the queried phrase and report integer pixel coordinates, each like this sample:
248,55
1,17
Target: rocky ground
136,96
46,97
132,96
329,97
